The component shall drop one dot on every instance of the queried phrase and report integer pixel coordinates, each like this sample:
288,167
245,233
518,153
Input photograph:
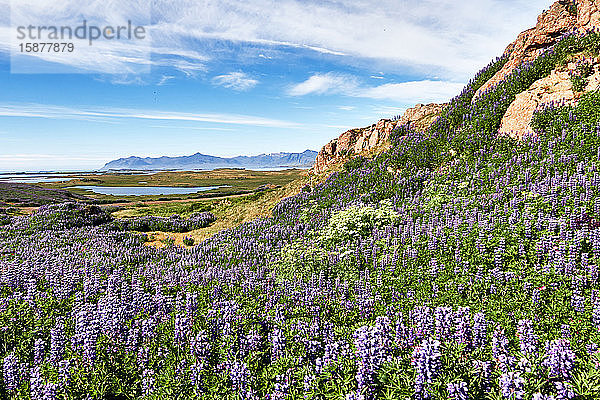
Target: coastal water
144,191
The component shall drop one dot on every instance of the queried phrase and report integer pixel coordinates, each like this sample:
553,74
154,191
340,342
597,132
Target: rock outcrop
373,138
562,17
555,88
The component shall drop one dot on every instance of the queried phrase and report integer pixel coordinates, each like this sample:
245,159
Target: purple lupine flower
57,342
524,365
596,314
200,346
565,330
578,302
281,387
49,391
309,383
463,333
38,351
423,321
528,340
443,321
458,391
512,386
426,359
564,391
373,348
148,382
180,331
480,326
539,396
36,383
241,379
484,370
64,372
560,359
500,350
10,372
252,341
196,377
278,342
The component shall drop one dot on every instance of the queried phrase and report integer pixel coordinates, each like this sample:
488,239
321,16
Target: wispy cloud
414,92
236,81
164,79
59,112
455,37
405,92
330,82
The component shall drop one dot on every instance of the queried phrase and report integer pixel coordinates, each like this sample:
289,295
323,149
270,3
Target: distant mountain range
200,161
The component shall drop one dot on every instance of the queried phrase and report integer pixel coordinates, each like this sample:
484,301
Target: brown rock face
562,17
555,88
372,138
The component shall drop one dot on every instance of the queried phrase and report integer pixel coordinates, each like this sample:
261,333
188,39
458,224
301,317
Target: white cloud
164,79
455,37
413,92
330,82
405,92
235,80
111,114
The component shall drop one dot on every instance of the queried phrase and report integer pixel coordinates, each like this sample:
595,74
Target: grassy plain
238,182
250,195
230,211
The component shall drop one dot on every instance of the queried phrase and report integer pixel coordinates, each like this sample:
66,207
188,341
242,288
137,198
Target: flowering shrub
356,222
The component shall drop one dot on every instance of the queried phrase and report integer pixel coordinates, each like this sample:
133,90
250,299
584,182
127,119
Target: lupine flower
560,359
479,330
512,386
148,381
10,372
539,396
596,314
240,378
564,391
426,359
528,341
278,342
36,384
373,348
458,391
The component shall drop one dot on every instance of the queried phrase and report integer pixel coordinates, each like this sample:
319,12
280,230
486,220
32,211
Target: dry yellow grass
233,212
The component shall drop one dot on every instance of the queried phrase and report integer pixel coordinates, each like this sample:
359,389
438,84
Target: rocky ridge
563,16
556,88
374,138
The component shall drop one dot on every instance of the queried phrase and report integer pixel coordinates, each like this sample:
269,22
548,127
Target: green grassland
238,181
229,211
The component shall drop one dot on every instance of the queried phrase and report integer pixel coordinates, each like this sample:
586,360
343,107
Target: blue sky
237,77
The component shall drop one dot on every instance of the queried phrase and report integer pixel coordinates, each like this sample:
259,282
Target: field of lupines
458,265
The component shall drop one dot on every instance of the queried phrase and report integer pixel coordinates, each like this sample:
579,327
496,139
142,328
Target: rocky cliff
373,138
563,16
556,88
